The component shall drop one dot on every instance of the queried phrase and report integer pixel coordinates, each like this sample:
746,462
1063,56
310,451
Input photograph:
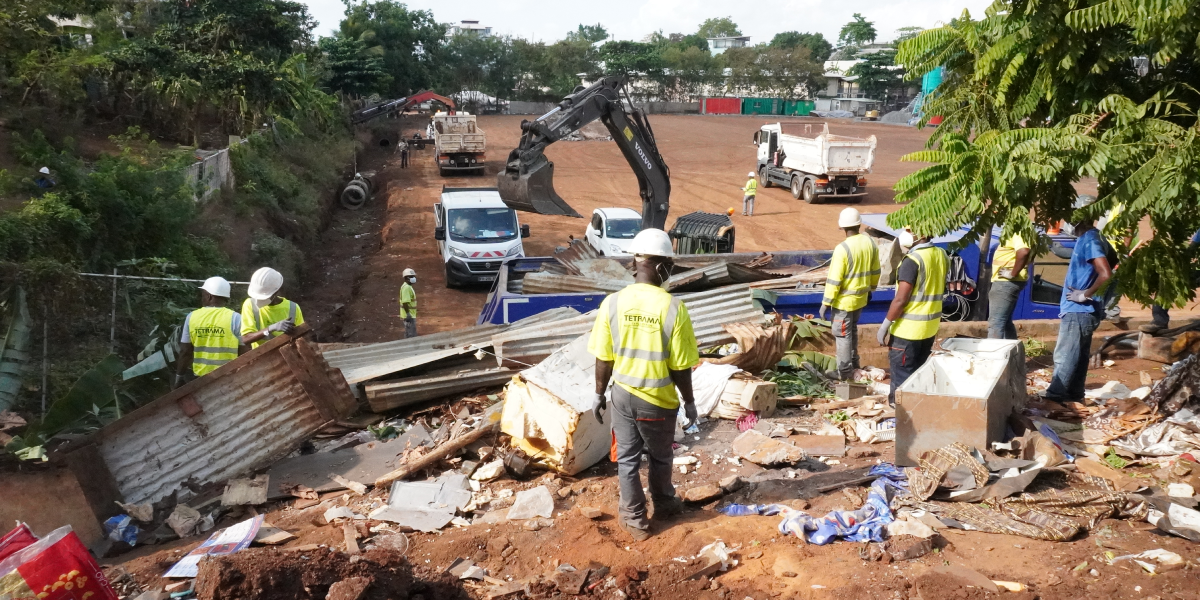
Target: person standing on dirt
403,154
1008,279
912,321
853,275
643,340
210,334
1080,310
408,303
750,190
266,314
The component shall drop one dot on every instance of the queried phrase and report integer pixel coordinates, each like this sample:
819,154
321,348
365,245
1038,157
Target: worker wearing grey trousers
640,428
845,338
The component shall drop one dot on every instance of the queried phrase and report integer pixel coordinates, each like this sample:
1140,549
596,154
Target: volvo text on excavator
527,182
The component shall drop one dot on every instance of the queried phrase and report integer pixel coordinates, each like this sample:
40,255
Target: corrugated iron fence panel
722,106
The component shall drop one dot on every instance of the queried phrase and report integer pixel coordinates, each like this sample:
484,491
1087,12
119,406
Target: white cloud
634,19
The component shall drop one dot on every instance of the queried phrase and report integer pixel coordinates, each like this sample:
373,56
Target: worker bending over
1081,311
750,190
210,334
913,318
408,303
1008,279
643,340
853,275
266,314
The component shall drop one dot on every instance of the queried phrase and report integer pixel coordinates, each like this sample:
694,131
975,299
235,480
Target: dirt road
709,157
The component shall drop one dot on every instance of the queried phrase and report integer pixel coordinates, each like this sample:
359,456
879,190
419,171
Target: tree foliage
410,40
857,32
718,27
1038,94
819,48
878,74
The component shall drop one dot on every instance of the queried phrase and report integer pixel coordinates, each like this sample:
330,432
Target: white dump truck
458,142
815,164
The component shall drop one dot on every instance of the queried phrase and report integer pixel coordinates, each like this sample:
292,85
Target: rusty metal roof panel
387,395
551,283
257,410
579,250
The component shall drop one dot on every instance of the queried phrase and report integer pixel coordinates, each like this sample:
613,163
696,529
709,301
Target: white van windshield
482,224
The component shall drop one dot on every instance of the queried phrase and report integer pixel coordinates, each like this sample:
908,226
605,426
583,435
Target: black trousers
904,358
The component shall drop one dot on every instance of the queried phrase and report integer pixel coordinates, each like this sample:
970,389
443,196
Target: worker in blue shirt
1080,310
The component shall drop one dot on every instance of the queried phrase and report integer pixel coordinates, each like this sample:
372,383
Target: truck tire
451,281
809,192
797,184
763,177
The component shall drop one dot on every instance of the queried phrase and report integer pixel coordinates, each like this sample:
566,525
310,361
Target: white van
475,232
611,230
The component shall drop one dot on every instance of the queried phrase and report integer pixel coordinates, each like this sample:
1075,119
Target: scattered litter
183,520
1112,390
909,525
685,460
489,471
536,502
1180,490
270,535
227,541
340,512
465,569
58,560
353,486
863,525
143,512
425,505
762,450
246,492
121,529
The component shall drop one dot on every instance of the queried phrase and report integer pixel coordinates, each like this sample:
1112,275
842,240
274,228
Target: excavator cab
531,187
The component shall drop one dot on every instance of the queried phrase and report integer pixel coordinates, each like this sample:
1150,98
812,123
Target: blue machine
1039,299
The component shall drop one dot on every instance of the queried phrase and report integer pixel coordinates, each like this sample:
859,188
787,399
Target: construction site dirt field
709,156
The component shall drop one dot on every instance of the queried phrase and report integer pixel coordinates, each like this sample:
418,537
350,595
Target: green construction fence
776,106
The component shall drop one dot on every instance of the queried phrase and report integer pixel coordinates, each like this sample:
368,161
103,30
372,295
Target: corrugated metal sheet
579,250
550,283
388,395
243,416
376,360
709,311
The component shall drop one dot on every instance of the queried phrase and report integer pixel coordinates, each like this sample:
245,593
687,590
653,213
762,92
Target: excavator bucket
531,189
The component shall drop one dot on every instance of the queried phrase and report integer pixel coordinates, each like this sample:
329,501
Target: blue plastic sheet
744,510
863,525
121,529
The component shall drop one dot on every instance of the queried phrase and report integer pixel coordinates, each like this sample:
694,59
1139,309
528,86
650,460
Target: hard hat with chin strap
652,242
264,283
849,218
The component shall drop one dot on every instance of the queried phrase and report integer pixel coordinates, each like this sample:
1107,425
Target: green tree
907,33
588,33
789,73
632,59
718,27
1114,97
857,32
878,74
353,67
412,41
819,48
487,64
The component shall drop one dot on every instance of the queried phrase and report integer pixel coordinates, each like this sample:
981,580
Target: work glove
601,404
285,326
689,411
826,312
884,336
1005,273
1078,296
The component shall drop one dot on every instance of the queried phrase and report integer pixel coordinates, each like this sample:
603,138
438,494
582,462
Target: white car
611,230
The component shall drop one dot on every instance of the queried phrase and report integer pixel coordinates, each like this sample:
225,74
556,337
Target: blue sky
634,19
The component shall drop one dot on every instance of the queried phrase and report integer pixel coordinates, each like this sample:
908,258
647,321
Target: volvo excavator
527,182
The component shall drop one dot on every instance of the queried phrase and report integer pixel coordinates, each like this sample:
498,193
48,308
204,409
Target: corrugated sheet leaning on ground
376,360
709,311
253,413
388,395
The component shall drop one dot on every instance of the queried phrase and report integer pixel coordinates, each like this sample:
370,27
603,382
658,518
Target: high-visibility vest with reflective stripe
752,187
853,273
214,342
923,313
641,326
253,315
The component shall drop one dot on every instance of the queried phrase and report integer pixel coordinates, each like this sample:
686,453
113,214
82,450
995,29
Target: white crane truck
815,164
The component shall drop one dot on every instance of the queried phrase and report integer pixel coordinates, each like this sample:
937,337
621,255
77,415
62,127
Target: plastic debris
489,471
340,512
528,504
121,529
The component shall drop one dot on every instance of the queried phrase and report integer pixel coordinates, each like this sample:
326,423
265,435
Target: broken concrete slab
246,492
820,445
425,505
762,450
528,504
703,493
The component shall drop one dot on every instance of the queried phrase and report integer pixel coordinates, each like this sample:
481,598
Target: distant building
717,45
470,28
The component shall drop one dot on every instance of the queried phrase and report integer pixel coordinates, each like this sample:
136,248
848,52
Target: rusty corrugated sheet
226,424
551,283
579,250
388,395
376,360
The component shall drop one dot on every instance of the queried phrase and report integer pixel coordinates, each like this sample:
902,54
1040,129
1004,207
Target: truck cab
475,232
611,230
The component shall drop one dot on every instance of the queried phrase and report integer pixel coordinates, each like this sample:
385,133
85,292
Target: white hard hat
409,273
44,170
216,286
651,242
906,240
849,218
264,283
750,174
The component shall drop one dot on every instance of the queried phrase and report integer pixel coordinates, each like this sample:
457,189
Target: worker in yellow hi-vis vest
210,334
913,318
266,314
408,303
643,340
750,190
853,275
